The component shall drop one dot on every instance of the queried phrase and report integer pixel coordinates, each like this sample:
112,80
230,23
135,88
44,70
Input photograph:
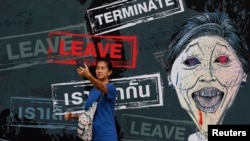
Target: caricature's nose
207,76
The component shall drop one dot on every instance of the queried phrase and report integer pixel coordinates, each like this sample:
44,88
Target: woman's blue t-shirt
104,122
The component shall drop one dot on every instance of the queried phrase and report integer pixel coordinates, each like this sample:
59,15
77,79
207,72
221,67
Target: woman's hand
83,71
68,116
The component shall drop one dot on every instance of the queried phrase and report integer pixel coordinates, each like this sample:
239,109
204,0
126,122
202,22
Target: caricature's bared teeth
208,99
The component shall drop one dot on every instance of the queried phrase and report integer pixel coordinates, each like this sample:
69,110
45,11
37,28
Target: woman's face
102,71
206,77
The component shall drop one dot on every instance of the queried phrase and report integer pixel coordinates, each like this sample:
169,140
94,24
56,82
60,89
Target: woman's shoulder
110,85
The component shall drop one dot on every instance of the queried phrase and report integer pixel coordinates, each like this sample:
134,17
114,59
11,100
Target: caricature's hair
208,24
107,61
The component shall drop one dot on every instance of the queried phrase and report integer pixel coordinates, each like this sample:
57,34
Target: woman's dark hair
108,62
208,24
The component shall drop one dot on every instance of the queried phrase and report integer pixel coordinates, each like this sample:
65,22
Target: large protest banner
40,41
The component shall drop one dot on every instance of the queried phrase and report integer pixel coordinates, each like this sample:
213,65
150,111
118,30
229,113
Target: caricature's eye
222,60
191,61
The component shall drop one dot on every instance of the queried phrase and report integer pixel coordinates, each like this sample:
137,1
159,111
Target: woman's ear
169,79
244,80
110,72
244,77
170,84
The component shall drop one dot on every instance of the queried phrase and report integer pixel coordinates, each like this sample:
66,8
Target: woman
103,122
207,62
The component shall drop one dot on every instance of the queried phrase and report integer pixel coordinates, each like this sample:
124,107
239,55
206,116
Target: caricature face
206,77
